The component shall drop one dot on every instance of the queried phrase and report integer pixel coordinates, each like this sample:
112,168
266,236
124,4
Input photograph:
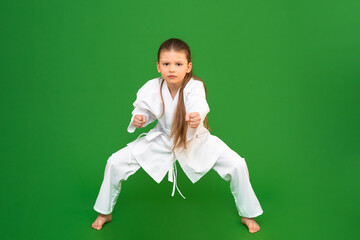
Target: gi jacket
153,152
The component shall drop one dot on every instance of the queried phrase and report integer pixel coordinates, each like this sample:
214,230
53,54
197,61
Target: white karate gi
153,152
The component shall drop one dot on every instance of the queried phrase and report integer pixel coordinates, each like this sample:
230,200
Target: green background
283,89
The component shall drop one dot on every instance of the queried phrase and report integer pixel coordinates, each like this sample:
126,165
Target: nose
171,69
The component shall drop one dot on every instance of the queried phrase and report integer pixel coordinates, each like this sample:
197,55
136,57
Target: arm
196,100
196,103
141,108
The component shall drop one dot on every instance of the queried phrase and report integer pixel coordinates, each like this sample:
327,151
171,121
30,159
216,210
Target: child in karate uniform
177,100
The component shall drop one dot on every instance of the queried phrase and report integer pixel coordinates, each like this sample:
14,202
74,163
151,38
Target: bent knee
235,157
230,163
120,156
238,162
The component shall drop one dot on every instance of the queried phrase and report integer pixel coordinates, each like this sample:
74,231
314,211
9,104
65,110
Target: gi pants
230,166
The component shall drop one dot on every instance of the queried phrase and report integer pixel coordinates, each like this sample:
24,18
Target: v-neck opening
173,99
168,91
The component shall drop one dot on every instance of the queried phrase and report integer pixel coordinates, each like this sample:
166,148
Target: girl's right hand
139,120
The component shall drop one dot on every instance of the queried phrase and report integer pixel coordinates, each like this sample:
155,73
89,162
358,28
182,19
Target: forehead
168,56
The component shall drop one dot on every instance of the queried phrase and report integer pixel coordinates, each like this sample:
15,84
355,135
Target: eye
179,64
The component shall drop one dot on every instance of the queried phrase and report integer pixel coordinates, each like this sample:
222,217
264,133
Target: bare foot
101,220
251,224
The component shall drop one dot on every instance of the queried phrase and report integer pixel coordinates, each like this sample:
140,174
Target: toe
252,229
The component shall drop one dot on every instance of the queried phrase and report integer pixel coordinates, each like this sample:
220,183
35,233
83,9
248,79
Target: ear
189,67
158,66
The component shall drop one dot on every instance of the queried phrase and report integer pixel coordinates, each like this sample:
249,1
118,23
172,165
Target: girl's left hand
193,119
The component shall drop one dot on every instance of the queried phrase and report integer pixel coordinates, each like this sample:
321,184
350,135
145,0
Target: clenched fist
193,119
139,120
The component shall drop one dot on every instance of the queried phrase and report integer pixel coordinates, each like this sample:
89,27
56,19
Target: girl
177,100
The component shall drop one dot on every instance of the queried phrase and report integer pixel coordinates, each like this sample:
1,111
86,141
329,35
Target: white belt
172,176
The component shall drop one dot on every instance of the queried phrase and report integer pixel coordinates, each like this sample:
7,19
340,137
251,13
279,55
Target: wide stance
230,166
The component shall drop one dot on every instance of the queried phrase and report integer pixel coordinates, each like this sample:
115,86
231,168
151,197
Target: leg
231,167
117,170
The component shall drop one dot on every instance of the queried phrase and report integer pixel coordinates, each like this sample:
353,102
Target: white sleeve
141,107
196,102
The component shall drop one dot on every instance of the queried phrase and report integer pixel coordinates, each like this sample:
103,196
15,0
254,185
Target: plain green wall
283,89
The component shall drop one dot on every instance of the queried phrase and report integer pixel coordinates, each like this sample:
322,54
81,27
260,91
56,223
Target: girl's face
173,64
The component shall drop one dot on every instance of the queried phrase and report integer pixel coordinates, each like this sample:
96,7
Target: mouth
171,76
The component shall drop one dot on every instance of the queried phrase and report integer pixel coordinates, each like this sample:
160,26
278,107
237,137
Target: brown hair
179,125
